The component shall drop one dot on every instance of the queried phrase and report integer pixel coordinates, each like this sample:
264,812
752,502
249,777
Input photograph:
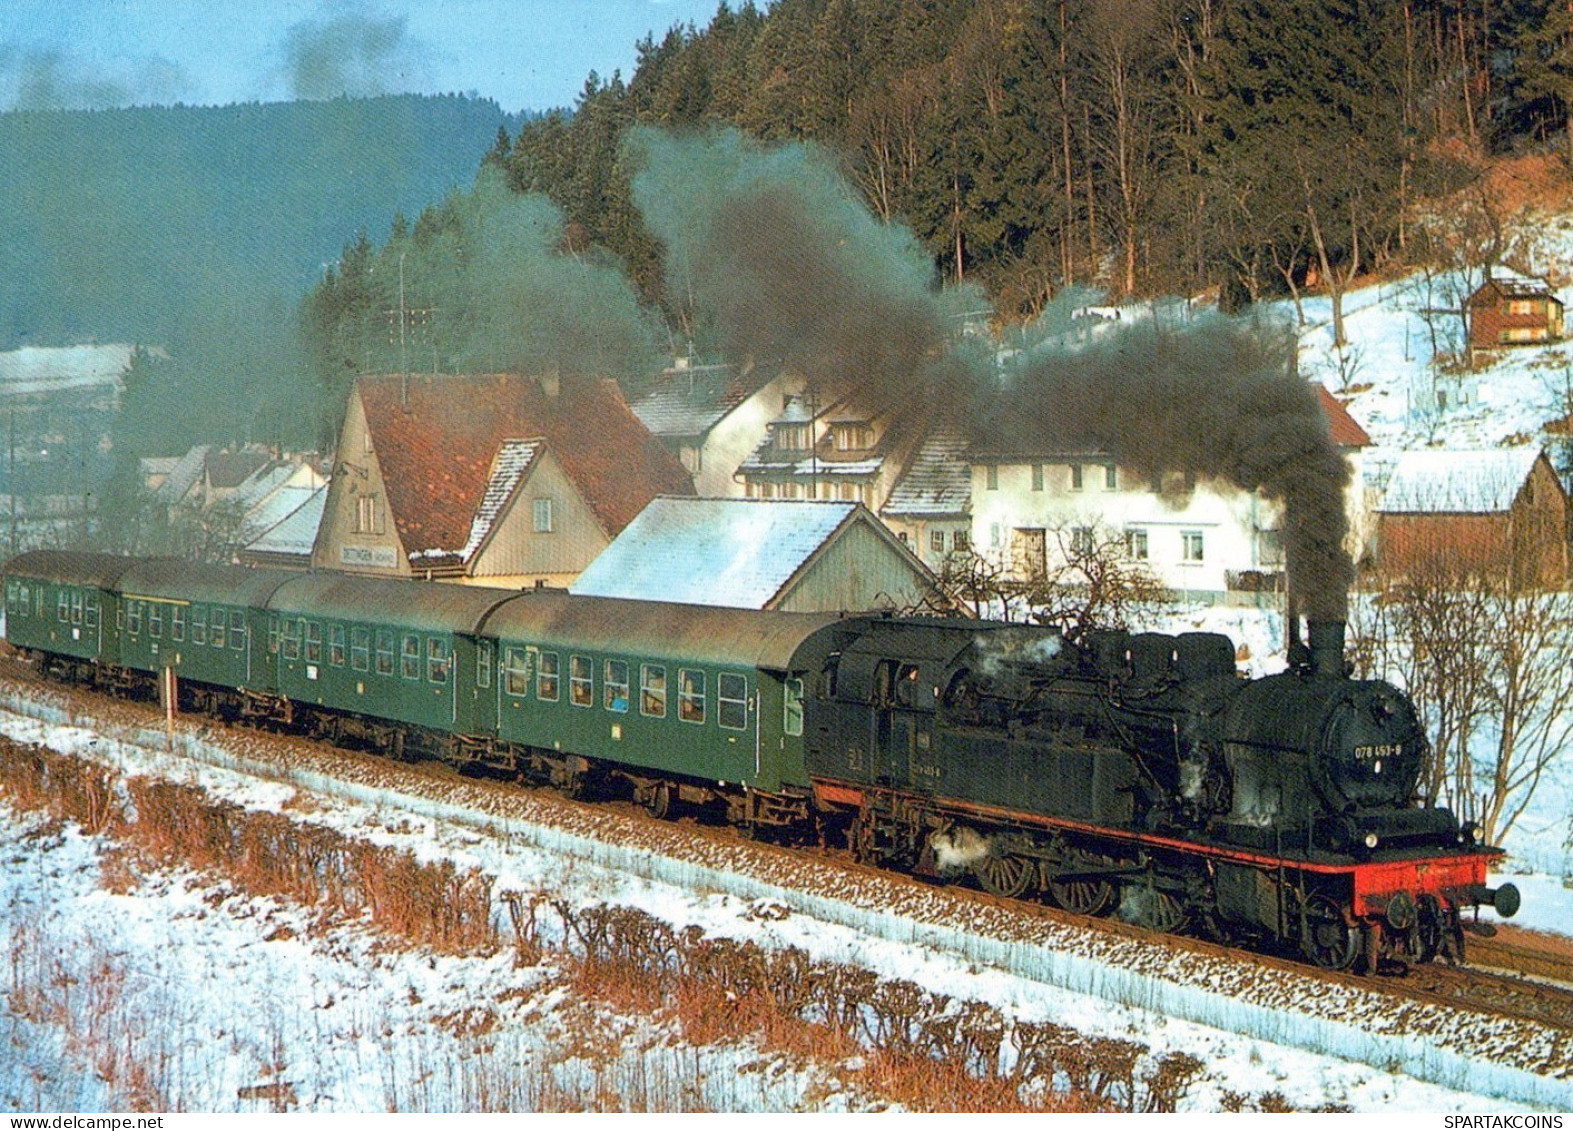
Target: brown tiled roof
1346,433
436,443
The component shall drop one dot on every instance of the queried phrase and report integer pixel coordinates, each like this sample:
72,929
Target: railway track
1514,989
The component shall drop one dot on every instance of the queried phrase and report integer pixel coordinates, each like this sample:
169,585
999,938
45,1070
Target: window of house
614,686
690,695
1136,545
313,642
652,690
792,715
543,516
1076,483
483,664
1111,477
732,701
516,673
439,657
367,515
961,540
1192,548
360,649
854,437
546,680
581,681
336,645
996,535
1081,540
991,477
410,657
792,437
177,623
1037,477
937,541
384,640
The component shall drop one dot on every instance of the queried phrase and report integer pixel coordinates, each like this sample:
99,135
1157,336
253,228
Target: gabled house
711,417
930,508
1037,496
793,555
498,479
837,452
1495,512
1509,309
288,526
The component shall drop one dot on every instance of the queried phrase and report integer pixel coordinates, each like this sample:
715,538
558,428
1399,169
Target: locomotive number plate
1378,750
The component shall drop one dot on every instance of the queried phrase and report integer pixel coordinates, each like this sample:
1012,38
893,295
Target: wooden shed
1490,513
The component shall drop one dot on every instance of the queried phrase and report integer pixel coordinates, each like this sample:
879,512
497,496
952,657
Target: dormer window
793,437
855,436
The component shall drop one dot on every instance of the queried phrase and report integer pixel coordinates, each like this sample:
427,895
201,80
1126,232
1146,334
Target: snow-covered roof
513,460
1513,285
184,475
39,369
939,481
296,532
1456,481
689,401
734,552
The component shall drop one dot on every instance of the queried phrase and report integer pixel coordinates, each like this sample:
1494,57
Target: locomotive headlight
1471,833
1372,840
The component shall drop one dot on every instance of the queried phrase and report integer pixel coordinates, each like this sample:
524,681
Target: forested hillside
1145,146
198,229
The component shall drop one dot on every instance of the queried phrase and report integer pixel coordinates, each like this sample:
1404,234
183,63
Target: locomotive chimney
1327,647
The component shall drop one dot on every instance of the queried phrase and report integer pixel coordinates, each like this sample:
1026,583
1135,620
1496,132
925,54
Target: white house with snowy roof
711,417
794,555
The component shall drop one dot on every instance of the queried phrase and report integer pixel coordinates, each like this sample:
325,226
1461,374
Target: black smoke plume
353,53
1198,397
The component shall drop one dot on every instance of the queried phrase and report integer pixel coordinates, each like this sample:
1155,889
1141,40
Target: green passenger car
203,621
404,651
691,691
65,603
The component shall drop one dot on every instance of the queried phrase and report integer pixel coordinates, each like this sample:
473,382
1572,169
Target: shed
1475,512
778,554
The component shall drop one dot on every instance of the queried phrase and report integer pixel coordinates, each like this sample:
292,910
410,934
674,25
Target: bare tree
1088,581
1479,634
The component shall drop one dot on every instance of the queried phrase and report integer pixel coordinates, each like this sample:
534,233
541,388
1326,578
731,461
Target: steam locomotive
1129,774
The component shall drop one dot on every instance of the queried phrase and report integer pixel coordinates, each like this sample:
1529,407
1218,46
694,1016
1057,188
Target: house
837,452
1509,309
1037,497
930,507
711,417
1455,512
498,479
794,555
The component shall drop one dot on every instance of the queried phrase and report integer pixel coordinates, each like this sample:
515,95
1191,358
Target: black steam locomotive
1129,774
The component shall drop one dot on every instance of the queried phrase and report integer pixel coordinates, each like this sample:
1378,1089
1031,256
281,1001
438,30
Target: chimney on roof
551,382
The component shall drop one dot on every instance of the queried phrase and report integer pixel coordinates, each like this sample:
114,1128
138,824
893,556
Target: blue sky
525,54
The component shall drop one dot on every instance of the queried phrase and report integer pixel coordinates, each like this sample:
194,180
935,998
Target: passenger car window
516,673
546,686
384,652
732,701
615,693
792,722
437,655
652,691
360,649
581,681
410,657
336,645
690,696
